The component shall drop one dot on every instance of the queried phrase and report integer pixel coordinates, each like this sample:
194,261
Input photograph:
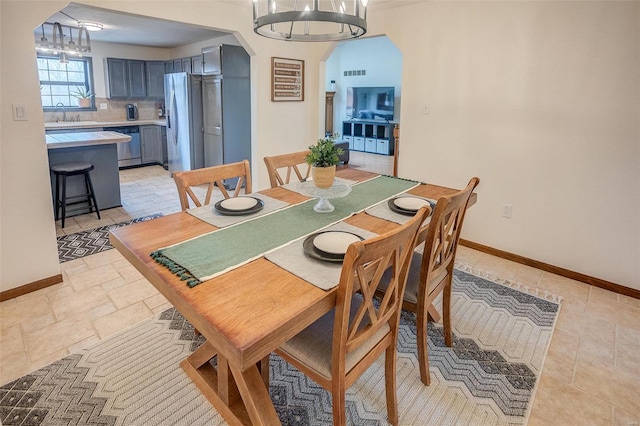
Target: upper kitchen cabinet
177,65
226,59
186,65
126,78
196,64
155,79
211,60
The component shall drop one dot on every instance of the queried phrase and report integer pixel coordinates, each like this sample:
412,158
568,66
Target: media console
369,135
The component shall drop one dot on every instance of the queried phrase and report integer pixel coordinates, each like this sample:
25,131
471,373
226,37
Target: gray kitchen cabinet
211,63
186,65
155,79
165,153
196,64
127,78
177,65
137,79
168,67
151,144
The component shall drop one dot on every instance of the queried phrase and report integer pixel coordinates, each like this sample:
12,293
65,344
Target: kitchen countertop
67,140
86,124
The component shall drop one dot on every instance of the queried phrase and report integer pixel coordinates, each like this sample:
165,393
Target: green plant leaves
324,153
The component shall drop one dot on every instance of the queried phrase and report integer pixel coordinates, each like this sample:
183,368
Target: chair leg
339,404
57,200
92,194
446,314
390,385
423,350
64,198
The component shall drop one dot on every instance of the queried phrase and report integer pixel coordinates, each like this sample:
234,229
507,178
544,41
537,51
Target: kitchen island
97,148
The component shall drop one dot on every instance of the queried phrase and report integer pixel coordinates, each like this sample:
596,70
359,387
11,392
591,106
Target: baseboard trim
28,288
596,282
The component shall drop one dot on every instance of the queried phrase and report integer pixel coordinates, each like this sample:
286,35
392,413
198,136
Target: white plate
334,242
410,203
238,203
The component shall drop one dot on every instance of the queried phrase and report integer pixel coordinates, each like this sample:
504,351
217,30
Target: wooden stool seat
61,171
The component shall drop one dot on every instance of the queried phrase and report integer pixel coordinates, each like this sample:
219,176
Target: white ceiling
133,29
141,30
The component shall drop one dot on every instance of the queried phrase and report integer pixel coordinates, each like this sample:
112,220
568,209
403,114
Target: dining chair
213,177
292,162
336,349
431,272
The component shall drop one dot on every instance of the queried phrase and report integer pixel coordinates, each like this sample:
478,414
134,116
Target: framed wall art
287,79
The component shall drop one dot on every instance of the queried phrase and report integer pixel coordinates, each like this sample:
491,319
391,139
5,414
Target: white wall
382,61
28,244
538,99
541,101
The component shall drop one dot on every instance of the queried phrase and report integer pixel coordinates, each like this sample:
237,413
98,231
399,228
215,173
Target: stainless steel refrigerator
209,116
183,103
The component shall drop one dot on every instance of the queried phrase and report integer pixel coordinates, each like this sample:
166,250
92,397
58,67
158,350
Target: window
58,81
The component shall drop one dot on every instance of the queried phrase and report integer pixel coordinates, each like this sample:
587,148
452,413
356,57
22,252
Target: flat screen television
370,103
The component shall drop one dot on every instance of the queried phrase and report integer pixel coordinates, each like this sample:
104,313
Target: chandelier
58,31
57,45
310,20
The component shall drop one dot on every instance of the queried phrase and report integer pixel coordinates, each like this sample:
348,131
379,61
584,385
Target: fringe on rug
542,294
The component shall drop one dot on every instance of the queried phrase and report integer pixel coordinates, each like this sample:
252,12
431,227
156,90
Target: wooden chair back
442,235
212,177
436,270
292,162
335,350
362,271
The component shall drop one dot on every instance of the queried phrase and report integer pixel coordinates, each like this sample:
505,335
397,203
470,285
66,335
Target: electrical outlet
506,210
103,105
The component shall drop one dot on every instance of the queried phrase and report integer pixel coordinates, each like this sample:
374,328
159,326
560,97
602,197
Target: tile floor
591,375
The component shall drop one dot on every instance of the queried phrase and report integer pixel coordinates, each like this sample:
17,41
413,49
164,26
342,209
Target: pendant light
310,20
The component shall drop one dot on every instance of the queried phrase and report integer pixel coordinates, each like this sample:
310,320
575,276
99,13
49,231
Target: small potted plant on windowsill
84,97
322,158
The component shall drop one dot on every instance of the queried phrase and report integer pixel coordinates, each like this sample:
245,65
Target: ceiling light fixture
58,45
291,20
91,26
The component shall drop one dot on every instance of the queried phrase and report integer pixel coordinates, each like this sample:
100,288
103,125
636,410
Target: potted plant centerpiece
83,95
322,158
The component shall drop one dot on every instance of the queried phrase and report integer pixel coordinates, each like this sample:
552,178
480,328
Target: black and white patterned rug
488,376
86,243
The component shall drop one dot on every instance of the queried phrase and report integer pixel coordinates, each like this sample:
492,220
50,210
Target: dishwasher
129,153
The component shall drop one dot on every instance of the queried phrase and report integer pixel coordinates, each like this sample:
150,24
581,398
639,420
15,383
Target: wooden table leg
242,398
255,396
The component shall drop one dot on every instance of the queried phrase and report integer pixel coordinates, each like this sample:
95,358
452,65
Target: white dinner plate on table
239,206
329,246
409,205
238,203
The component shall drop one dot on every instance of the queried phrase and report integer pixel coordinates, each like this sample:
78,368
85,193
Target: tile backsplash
147,110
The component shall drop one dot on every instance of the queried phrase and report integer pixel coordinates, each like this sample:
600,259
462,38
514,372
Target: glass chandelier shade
57,44
310,20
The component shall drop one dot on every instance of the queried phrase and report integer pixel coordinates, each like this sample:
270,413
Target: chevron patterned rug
488,377
92,241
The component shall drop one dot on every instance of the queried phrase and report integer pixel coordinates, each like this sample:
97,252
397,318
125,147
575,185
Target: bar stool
61,171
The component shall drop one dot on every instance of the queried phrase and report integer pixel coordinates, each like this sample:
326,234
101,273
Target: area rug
488,377
92,241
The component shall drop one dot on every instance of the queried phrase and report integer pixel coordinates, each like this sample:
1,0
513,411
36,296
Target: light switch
19,112
425,109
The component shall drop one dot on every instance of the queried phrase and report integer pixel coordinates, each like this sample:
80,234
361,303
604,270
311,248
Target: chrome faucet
64,112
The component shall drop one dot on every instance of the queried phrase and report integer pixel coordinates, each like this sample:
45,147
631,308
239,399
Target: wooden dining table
245,313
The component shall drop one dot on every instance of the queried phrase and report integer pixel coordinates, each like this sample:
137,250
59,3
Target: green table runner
211,254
